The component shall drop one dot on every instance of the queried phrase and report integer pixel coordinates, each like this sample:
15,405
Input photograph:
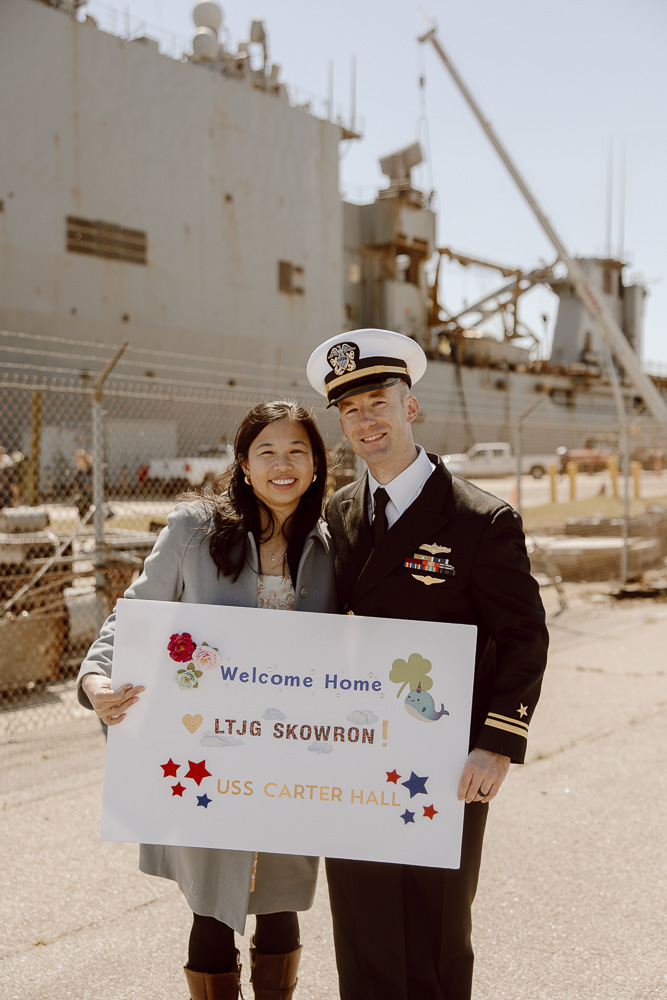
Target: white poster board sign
290,733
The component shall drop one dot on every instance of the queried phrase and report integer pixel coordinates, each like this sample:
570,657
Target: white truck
493,459
180,473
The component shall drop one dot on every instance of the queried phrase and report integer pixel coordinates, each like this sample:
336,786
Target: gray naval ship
190,205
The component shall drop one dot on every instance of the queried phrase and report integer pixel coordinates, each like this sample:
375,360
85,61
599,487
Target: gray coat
180,568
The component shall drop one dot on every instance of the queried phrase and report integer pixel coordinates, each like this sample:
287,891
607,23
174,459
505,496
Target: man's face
377,423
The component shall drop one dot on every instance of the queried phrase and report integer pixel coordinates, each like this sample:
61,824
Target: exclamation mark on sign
385,727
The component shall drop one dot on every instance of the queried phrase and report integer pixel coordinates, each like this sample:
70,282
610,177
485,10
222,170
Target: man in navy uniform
402,932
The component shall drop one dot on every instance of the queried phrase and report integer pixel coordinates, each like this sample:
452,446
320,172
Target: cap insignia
343,358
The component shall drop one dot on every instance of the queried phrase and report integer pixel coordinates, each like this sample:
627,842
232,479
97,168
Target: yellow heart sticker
192,722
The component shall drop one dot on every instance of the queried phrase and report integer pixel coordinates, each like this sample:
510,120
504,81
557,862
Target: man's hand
483,774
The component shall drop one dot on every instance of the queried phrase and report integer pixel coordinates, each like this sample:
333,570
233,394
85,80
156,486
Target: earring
314,478
246,479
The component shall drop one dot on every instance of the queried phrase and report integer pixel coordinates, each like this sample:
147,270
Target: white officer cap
364,360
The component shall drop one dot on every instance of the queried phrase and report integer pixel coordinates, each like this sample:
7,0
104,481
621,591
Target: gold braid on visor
365,373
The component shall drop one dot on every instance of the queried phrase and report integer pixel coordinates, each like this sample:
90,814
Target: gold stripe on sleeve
507,718
510,729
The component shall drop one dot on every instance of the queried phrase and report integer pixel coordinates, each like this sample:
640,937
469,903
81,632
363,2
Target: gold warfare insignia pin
428,580
435,549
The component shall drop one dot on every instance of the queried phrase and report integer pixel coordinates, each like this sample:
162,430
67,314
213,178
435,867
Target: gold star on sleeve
522,710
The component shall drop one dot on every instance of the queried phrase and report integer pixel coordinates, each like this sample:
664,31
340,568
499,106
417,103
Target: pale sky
561,82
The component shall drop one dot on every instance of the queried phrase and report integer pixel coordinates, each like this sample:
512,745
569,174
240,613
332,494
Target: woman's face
280,465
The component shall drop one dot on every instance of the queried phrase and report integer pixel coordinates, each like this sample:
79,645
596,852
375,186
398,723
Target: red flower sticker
181,647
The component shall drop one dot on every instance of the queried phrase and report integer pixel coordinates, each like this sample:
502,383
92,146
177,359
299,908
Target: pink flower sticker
206,657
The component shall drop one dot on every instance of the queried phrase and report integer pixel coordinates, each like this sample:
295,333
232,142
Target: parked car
653,459
491,459
180,473
593,457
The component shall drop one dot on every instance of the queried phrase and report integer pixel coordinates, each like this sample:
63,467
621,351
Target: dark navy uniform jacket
475,571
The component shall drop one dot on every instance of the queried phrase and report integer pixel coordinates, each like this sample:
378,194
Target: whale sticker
420,704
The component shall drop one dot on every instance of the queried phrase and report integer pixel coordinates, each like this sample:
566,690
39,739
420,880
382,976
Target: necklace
273,552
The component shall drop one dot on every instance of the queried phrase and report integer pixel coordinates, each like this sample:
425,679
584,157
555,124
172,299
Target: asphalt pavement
573,886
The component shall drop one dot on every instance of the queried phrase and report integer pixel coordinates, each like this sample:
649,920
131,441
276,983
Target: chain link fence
92,461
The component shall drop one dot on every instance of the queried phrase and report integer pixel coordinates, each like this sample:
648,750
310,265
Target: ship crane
503,300
612,335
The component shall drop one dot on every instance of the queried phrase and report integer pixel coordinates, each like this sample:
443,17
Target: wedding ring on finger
482,794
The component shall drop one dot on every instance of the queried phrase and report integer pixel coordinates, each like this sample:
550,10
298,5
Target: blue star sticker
415,785
408,817
203,800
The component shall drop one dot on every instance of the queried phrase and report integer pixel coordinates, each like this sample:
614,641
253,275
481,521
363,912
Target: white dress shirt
403,488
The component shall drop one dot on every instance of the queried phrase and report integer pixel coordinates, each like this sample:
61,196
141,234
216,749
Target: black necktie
379,523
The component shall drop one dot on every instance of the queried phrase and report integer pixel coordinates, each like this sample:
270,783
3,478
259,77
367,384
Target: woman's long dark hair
236,509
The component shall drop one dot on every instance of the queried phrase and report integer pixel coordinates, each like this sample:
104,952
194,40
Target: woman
258,541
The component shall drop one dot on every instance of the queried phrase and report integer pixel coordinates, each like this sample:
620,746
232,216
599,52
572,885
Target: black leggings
212,947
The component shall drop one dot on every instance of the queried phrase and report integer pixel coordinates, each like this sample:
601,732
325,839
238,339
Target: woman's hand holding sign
110,705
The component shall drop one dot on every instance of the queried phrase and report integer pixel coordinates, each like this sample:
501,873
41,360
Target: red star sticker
177,789
198,771
430,811
170,769
392,776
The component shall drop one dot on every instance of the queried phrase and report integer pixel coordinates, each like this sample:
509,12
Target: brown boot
214,985
274,976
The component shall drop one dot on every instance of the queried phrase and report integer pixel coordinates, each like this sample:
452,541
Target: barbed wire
204,361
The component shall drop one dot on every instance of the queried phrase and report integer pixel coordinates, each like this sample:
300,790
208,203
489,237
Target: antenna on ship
258,37
610,195
330,90
621,209
208,20
353,92
620,250
423,124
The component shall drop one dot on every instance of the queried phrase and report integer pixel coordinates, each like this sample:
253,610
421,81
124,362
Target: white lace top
275,592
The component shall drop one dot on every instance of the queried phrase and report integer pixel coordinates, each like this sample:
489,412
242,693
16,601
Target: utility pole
99,465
